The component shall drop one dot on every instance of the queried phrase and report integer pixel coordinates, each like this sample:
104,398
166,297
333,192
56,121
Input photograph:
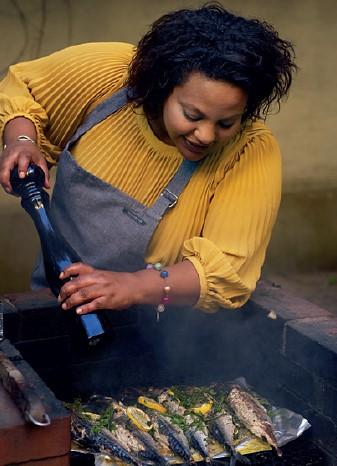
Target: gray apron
107,228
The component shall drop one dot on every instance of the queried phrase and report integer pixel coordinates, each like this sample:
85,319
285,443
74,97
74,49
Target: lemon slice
152,404
139,418
203,409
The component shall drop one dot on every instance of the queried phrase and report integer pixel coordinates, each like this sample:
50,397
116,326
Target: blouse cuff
220,283
49,151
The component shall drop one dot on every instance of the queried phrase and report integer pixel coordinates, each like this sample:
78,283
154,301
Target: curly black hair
218,44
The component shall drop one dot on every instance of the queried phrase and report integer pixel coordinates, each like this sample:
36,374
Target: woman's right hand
21,153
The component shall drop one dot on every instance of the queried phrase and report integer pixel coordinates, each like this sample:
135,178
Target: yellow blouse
224,217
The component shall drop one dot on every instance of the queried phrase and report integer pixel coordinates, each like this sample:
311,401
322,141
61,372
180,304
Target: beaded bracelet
166,290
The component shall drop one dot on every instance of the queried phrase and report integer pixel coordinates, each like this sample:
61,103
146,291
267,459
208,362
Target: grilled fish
151,449
128,439
198,437
177,440
223,430
196,429
253,416
160,439
142,442
137,442
99,442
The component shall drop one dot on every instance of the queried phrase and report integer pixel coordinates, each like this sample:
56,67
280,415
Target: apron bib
106,227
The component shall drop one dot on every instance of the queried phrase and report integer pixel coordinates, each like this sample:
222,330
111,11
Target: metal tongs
22,393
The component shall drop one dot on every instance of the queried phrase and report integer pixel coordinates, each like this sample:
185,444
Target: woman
174,167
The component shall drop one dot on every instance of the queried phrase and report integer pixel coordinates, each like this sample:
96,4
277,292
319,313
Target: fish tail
215,461
278,451
237,457
233,460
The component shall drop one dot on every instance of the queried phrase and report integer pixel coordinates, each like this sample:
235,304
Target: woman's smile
194,147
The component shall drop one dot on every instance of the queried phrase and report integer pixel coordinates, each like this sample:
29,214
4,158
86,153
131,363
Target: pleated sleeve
229,255
56,92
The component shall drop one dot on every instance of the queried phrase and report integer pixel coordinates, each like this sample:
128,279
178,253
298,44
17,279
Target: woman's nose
205,133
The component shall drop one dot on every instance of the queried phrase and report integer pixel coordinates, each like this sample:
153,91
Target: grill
284,347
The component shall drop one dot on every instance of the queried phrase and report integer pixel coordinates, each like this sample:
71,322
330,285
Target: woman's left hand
91,289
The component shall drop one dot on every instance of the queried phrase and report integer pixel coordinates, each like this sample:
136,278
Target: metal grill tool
22,393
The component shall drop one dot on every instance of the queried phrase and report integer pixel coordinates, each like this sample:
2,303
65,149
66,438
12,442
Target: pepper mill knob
34,176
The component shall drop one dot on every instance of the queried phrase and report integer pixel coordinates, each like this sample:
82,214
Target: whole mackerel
177,441
253,416
196,429
140,443
99,442
223,430
127,438
197,433
151,450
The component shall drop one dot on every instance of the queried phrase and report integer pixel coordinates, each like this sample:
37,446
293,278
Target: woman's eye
191,117
224,125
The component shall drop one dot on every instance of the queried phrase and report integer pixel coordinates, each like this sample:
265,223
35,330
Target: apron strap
170,195
103,110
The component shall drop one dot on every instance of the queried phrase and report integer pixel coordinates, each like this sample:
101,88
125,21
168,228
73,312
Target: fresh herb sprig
178,420
106,420
189,397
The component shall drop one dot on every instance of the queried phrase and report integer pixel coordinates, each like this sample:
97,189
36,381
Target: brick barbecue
284,346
